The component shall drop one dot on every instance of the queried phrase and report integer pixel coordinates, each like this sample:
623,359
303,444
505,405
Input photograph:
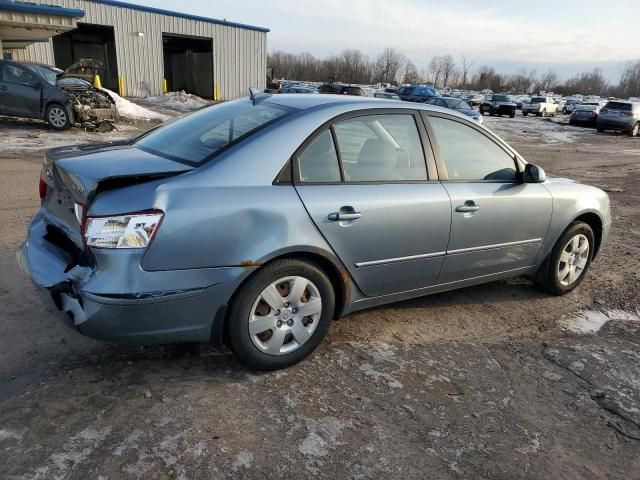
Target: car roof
352,103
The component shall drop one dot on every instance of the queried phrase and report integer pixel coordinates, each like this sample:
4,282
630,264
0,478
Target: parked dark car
585,114
416,93
342,89
32,90
350,203
498,105
456,104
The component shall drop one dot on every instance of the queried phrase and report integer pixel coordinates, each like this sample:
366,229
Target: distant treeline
392,66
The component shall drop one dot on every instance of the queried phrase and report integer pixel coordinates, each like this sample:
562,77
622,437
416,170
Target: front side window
14,74
469,155
195,138
319,161
381,148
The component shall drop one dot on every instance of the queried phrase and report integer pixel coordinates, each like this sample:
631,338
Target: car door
20,93
498,222
364,182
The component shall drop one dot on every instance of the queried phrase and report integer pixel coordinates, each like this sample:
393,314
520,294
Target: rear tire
569,261
274,335
600,129
525,113
635,131
57,117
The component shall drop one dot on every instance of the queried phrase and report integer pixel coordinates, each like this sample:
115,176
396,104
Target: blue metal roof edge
161,11
44,9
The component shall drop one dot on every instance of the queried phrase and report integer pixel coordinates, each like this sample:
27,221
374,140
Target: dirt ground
498,381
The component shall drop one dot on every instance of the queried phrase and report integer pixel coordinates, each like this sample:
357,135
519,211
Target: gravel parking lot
497,381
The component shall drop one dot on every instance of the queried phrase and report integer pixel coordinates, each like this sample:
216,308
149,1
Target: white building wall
239,54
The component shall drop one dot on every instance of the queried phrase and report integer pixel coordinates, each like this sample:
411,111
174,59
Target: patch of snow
133,111
9,435
591,321
179,101
550,131
243,459
322,436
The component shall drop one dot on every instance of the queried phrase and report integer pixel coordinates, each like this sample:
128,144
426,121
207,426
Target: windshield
49,75
196,138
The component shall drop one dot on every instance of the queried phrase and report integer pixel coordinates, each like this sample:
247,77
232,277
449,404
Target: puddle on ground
591,321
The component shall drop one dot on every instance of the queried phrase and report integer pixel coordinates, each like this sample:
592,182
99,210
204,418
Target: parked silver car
621,116
256,222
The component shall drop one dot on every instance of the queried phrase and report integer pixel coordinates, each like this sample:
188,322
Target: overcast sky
566,35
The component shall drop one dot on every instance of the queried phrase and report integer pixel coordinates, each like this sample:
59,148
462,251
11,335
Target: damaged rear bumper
121,302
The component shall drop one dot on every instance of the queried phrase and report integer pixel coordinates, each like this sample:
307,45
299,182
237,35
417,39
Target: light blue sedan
256,222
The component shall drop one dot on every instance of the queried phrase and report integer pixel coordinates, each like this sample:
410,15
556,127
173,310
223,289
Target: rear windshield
501,98
196,138
586,107
538,100
627,107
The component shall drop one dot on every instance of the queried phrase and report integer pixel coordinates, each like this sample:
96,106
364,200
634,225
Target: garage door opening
188,64
89,42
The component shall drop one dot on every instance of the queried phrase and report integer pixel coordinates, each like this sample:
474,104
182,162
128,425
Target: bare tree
410,73
448,69
388,65
435,67
548,81
466,64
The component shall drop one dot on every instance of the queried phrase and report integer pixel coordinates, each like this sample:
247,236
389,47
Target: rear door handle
338,217
469,206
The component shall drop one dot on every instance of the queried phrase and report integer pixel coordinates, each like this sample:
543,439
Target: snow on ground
132,111
178,101
25,135
591,321
551,131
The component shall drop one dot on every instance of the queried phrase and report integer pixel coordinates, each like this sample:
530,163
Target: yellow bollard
121,86
216,92
164,85
96,81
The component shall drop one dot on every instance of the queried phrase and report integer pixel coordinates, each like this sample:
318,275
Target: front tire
525,113
281,314
57,117
568,263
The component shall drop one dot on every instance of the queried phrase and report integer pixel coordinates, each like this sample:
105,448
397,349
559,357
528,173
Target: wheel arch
595,222
338,276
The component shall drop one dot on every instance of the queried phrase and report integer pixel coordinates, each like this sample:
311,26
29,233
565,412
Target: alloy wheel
285,315
57,117
573,260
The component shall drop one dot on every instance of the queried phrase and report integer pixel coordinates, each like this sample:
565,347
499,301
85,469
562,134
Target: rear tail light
131,230
42,188
627,114
604,110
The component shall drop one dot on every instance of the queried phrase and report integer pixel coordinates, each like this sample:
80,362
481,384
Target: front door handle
469,206
338,217
345,213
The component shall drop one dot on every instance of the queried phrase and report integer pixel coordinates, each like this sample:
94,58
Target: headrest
376,152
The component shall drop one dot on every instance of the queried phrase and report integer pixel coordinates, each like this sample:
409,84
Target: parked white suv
541,106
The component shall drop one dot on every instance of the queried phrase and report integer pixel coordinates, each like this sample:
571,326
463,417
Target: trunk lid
82,170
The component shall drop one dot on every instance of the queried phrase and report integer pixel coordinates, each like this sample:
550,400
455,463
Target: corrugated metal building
141,48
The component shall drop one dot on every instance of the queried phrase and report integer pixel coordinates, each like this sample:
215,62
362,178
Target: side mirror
533,174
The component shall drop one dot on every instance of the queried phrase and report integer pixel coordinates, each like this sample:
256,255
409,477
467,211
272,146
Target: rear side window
197,137
319,162
381,148
469,155
619,106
